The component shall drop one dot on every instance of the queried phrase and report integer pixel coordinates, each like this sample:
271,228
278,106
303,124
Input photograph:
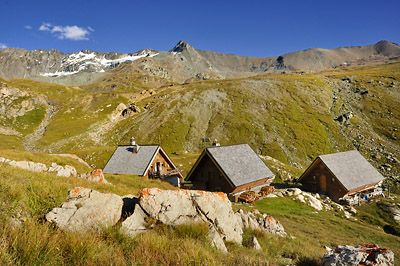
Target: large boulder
87,209
359,255
175,207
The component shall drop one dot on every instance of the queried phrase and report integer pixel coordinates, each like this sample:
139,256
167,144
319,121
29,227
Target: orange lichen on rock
205,193
97,172
146,192
76,190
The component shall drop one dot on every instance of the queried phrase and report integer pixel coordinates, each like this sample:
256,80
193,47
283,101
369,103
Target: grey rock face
175,207
87,209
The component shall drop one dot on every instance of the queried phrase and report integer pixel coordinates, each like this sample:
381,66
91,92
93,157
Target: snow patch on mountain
95,62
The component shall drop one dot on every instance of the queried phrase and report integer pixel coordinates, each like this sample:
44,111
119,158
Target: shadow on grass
392,229
286,185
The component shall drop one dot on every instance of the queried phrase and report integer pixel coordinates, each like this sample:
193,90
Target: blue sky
251,28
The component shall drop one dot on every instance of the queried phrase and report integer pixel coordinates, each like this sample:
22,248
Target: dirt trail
39,132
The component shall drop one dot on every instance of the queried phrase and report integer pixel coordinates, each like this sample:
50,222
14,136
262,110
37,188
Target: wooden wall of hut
320,179
208,177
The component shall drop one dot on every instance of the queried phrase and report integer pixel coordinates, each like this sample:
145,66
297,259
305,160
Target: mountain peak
180,47
387,48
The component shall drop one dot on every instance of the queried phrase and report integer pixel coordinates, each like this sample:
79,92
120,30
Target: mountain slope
317,59
183,63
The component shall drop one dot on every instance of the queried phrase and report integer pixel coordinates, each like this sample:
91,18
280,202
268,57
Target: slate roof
351,169
123,161
240,163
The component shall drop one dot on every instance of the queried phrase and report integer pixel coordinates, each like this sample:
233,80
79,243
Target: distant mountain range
182,63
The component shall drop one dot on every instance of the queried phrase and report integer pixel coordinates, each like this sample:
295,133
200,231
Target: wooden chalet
340,175
232,169
143,160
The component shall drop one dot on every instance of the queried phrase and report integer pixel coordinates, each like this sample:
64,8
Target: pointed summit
387,48
180,47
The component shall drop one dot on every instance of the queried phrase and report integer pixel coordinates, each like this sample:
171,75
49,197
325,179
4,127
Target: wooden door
322,183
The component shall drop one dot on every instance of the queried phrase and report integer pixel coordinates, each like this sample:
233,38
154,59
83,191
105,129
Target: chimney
215,143
134,145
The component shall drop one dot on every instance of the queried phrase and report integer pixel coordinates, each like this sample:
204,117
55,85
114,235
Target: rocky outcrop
359,255
87,209
174,207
